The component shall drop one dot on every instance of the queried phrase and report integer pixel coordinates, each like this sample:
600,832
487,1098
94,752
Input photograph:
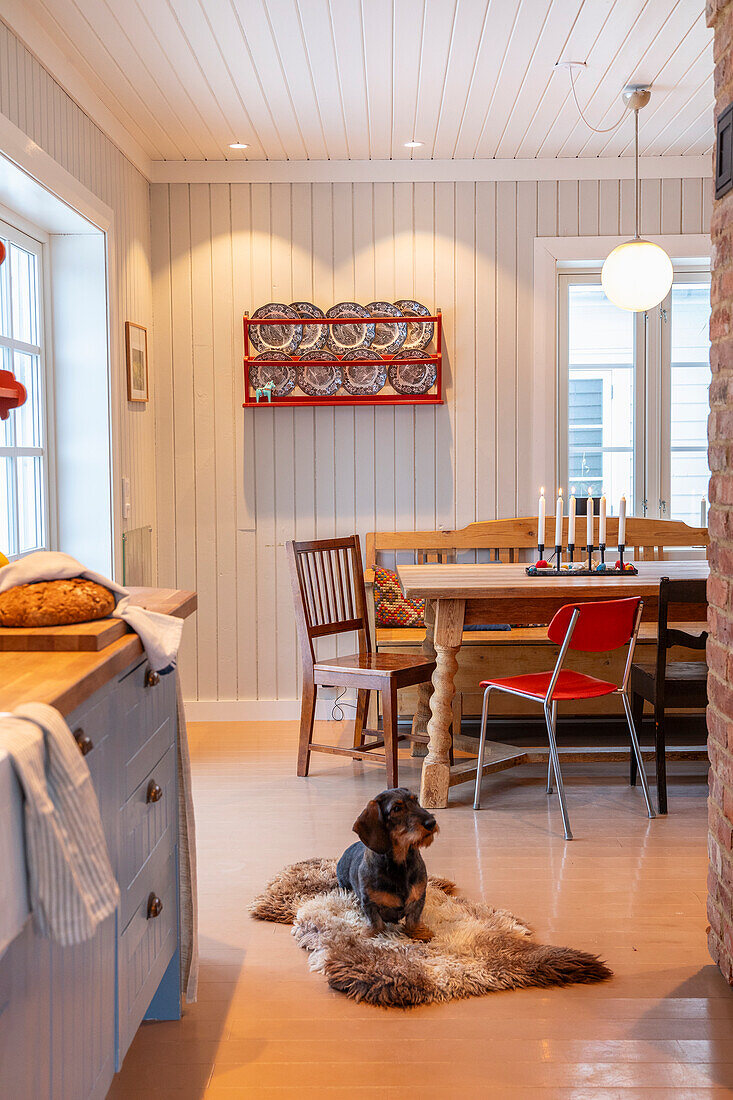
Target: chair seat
570,685
405,668
685,683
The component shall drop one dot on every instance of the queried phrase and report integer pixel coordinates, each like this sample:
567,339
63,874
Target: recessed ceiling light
413,144
238,145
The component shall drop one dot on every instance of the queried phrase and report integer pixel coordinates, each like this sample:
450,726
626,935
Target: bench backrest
509,540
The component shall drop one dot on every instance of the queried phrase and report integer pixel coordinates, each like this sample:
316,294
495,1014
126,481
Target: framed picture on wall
136,344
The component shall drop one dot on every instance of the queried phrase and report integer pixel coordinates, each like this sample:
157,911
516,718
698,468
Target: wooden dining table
460,596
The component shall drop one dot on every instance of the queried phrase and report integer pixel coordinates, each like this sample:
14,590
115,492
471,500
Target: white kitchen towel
187,877
159,634
71,885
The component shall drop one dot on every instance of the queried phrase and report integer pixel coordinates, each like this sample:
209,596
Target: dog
384,867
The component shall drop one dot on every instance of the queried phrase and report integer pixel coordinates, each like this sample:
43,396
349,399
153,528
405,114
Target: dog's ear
370,828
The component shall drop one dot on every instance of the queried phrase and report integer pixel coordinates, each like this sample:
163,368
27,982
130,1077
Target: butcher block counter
63,665
68,1015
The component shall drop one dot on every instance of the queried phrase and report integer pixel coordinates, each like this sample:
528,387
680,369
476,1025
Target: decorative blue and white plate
408,377
362,376
343,338
419,334
319,373
273,366
314,336
285,338
388,338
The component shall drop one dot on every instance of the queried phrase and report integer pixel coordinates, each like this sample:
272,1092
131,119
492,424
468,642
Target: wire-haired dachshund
384,867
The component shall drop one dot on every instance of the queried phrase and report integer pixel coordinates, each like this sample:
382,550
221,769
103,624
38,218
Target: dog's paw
420,932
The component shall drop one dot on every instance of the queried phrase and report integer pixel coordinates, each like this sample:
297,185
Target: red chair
588,628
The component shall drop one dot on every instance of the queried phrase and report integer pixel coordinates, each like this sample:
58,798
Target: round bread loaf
55,603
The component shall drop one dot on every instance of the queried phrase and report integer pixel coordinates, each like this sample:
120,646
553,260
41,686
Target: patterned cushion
392,608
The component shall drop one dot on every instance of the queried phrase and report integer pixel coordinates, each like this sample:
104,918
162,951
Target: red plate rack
435,397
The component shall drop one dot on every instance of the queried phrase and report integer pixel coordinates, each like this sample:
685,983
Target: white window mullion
24,447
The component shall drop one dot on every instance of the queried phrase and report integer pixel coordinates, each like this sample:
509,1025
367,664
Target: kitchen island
68,1015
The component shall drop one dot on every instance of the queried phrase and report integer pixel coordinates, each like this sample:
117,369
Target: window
633,396
24,457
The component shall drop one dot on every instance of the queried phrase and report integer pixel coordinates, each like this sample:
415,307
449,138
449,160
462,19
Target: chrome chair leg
550,717
637,753
549,756
481,745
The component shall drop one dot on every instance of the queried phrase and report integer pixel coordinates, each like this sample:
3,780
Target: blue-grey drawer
147,723
147,944
147,820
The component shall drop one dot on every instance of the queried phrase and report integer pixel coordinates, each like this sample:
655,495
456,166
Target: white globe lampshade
637,275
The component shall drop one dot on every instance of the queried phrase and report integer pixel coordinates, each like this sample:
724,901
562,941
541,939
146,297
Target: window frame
652,386
36,241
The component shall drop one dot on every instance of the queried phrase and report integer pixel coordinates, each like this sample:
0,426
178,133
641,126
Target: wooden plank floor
630,889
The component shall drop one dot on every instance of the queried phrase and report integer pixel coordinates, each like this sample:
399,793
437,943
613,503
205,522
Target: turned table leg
436,767
424,691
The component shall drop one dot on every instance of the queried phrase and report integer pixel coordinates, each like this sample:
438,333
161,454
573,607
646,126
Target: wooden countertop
66,679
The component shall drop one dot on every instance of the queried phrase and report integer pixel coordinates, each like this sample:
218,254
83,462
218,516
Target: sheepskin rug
475,949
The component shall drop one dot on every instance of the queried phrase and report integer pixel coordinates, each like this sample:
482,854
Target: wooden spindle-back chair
330,599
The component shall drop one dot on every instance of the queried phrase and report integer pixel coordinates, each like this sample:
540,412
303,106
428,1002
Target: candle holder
558,558
589,549
621,549
540,551
571,551
602,548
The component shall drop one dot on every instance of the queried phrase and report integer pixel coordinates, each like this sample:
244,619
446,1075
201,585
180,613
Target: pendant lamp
637,275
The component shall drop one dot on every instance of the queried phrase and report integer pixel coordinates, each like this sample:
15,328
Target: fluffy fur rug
475,949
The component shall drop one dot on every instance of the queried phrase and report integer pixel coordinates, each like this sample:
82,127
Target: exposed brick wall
720,587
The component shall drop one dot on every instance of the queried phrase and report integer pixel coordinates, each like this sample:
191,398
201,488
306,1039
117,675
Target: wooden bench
526,648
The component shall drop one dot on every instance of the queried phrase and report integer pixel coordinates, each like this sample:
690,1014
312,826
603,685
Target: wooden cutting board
92,637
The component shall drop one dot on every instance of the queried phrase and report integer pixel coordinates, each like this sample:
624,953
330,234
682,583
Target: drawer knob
155,791
84,742
155,907
152,678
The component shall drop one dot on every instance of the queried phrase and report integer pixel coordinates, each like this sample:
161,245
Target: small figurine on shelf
265,391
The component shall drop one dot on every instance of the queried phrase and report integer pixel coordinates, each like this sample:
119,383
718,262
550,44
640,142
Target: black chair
678,684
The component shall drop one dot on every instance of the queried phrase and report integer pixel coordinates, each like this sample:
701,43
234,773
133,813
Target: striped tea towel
71,884
159,634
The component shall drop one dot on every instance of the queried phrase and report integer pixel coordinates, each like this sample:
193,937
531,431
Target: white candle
541,519
571,518
558,518
622,522
589,519
602,523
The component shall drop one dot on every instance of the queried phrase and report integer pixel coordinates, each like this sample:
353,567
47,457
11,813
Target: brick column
720,587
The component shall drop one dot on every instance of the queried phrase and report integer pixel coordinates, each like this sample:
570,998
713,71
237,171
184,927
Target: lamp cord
595,129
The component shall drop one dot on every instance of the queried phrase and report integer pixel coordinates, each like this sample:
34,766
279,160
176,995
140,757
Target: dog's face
394,822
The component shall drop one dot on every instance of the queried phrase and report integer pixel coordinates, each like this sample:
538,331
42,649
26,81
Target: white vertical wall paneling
227,418
284,454
264,597
484,307
184,457
404,415
32,100
445,278
526,232
506,347
465,353
426,417
205,435
160,349
383,287
364,422
306,472
245,477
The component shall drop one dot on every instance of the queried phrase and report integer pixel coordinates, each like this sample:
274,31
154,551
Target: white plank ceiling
355,79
